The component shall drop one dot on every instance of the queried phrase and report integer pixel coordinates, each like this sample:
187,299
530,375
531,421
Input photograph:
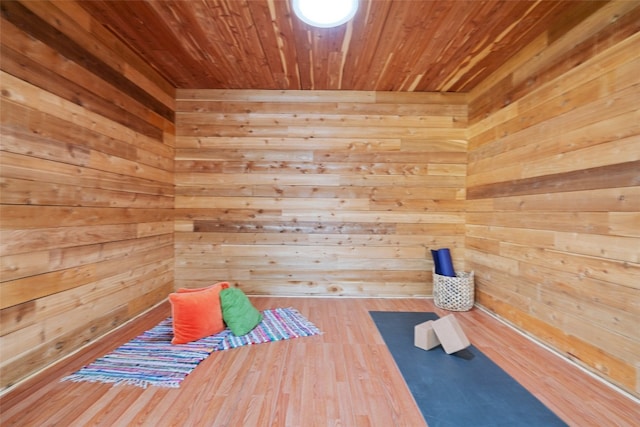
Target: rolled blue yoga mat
436,261
443,263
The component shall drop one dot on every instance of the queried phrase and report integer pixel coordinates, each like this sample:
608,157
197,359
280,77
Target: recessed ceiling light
325,13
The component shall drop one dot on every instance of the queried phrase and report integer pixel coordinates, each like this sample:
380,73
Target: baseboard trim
545,346
79,349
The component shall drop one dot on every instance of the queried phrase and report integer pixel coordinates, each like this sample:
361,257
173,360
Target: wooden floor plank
346,376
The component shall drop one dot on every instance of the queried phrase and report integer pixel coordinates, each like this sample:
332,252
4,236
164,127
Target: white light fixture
325,13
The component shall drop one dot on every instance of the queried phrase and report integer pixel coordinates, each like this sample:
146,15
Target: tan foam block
450,334
424,336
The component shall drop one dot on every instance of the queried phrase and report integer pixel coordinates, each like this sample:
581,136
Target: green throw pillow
238,312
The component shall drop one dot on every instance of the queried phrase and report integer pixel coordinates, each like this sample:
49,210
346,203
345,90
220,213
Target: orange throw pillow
196,313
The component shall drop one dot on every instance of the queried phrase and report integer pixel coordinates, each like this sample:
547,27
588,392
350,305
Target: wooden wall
86,180
306,192
553,187
329,193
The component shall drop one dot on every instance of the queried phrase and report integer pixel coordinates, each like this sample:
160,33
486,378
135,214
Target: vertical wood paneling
390,45
86,180
553,187
329,193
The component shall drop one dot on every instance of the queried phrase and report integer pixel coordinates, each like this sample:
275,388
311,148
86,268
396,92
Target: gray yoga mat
462,389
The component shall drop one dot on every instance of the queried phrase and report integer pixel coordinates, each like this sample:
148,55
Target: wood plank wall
330,193
86,177
307,193
553,187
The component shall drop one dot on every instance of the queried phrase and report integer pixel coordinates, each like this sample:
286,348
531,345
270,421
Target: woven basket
453,293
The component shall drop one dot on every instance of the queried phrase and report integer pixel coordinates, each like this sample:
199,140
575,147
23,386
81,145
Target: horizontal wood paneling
318,193
532,179
86,180
553,188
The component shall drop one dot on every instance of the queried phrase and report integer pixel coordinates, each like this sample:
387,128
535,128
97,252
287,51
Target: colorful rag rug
151,360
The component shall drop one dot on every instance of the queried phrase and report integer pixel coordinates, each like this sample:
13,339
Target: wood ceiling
391,45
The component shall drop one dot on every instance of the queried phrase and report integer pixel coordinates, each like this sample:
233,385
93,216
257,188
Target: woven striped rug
151,360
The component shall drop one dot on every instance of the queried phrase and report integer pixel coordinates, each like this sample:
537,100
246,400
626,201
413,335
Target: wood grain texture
346,376
86,180
532,178
58,30
280,198
553,217
392,45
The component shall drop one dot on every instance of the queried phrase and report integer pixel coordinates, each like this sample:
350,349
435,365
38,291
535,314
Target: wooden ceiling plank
498,51
301,38
368,30
396,25
190,24
149,34
417,31
284,27
499,18
137,65
453,27
265,21
238,40
390,45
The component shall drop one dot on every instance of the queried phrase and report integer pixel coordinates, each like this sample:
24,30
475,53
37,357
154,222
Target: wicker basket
453,293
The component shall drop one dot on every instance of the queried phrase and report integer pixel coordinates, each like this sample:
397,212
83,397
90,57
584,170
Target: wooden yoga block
451,336
424,336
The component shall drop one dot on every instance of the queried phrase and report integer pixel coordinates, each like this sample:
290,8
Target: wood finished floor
345,377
